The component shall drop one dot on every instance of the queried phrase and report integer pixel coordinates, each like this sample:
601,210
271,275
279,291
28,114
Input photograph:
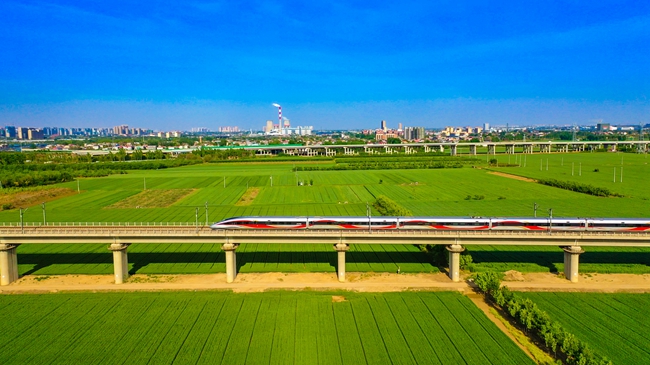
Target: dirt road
362,282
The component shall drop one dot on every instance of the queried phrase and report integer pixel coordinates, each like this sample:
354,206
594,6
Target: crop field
616,325
604,260
60,259
447,192
274,327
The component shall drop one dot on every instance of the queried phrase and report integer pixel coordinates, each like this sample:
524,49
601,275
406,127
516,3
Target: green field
59,259
615,325
604,260
424,192
275,327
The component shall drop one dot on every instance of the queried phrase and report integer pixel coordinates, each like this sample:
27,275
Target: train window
418,223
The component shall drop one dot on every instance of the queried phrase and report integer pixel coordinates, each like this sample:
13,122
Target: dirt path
479,302
362,282
510,176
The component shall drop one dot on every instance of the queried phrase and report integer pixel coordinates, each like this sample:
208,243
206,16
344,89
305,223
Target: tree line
538,323
578,187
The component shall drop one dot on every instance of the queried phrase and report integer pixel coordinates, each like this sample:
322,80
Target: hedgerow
578,187
537,322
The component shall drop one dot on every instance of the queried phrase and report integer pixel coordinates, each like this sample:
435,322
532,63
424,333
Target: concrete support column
571,262
454,150
427,149
454,261
472,149
492,149
231,261
120,261
340,252
8,264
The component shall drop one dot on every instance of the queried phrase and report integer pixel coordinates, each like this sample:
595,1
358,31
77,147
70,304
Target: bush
388,207
577,187
487,282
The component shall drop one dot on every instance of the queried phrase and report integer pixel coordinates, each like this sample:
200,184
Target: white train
438,223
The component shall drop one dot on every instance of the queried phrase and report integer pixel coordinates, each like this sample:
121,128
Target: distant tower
279,114
383,125
399,126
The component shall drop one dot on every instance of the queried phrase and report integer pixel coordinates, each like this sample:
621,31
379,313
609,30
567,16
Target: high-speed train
438,223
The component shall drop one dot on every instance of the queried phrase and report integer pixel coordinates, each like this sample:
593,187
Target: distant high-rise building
269,126
21,132
399,126
121,130
383,125
414,133
486,127
34,134
10,131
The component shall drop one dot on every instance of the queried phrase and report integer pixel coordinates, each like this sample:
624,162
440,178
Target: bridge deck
192,234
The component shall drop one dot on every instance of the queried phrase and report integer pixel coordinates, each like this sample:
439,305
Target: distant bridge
452,148
121,236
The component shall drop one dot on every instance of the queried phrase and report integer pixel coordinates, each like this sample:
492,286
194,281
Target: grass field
615,325
604,260
275,328
62,259
424,192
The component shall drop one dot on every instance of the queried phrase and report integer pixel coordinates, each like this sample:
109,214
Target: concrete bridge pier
454,261
492,149
8,264
340,267
120,261
472,149
571,262
231,261
454,150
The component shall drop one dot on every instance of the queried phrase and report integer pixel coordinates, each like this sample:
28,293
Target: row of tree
538,323
578,187
382,166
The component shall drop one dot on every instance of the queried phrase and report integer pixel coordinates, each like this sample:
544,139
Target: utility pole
78,186
44,220
271,180
196,213
224,181
550,220
206,213
535,209
22,221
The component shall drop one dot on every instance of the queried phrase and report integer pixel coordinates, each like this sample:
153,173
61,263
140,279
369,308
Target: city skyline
334,66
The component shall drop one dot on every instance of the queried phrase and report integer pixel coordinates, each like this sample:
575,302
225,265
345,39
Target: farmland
616,325
277,192
274,327
207,258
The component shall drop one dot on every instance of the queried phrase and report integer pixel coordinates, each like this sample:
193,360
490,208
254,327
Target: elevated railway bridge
119,237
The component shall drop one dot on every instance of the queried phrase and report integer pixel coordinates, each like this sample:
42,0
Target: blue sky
178,65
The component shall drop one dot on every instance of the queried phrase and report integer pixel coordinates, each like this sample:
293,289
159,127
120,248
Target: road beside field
361,282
